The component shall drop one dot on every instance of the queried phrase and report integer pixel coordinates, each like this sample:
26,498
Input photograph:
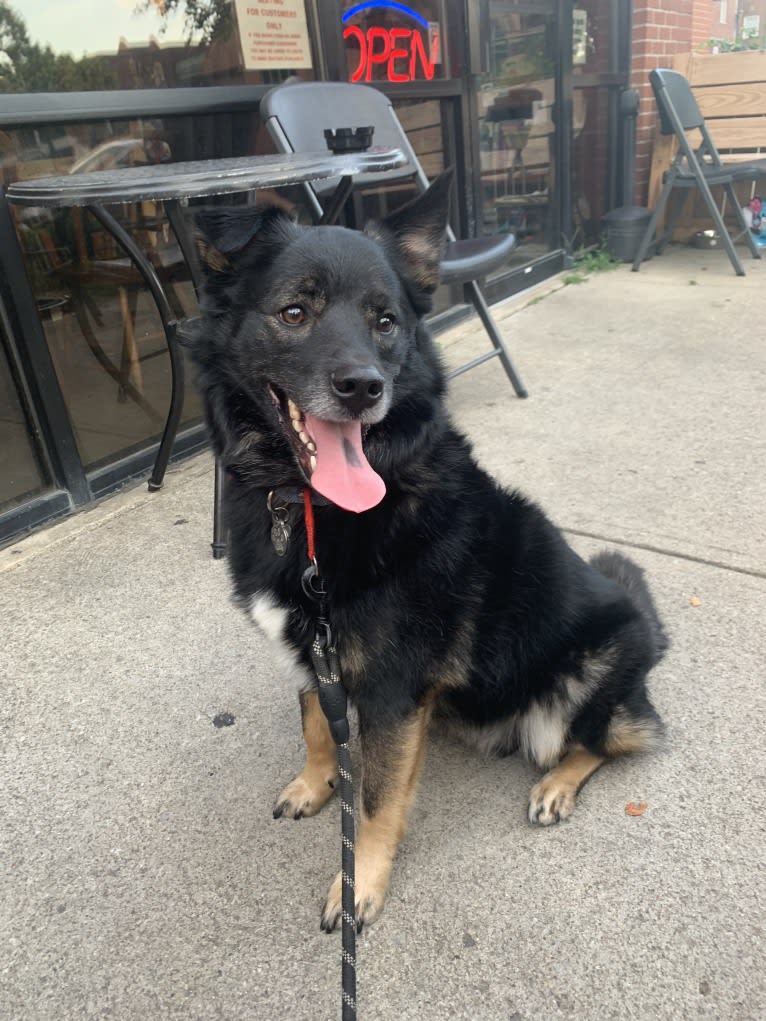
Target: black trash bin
623,230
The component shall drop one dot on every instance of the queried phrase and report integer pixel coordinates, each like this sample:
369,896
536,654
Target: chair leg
477,298
720,226
744,229
651,227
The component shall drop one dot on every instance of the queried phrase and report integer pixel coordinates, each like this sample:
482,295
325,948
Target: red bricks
661,28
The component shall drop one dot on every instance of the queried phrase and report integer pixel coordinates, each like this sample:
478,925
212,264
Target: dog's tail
631,577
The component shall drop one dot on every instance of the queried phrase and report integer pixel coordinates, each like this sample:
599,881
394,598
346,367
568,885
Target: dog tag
280,536
280,526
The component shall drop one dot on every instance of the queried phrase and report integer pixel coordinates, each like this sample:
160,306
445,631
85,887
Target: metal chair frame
698,168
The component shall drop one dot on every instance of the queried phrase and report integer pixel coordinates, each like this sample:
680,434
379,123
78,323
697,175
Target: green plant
746,41
595,260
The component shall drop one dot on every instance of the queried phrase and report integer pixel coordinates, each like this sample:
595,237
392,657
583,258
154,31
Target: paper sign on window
273,34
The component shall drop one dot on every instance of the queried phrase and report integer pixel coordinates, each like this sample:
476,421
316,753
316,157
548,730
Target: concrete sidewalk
143,877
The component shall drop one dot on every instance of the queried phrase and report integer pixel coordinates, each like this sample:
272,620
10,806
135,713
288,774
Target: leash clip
313,584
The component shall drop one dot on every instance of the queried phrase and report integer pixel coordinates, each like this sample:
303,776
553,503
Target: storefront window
516,125
394,42
49,46
594,57
21,475
101,325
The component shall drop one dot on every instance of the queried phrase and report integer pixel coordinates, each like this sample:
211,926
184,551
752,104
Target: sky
84,27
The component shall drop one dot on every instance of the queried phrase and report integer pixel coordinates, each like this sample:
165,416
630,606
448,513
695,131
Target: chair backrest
674,96
679,113
296,116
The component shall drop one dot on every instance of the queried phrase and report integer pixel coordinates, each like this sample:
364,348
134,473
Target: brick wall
661,28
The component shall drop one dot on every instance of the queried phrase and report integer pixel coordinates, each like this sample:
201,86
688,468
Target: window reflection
516,127
112,44
103,331
21,475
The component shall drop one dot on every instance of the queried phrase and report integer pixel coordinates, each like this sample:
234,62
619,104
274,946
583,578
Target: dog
450,598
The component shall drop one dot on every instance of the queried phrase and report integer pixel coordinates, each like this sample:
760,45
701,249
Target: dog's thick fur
451,598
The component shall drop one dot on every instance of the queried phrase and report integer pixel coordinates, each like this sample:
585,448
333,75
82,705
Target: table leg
337,201
180,227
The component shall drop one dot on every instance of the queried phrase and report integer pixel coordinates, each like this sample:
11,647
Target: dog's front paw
369,903
305,795
551,800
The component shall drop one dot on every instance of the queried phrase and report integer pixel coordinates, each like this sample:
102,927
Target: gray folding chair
700,168
297,116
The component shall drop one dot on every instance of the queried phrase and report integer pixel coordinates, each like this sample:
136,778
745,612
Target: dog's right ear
225,235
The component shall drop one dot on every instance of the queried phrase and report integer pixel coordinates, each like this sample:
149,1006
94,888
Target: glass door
516,52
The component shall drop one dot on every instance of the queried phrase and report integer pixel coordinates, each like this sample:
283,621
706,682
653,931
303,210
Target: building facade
521,96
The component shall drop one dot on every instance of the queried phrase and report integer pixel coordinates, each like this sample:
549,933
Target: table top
167,181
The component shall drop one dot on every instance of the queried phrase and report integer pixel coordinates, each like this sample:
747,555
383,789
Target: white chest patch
271,618
542,731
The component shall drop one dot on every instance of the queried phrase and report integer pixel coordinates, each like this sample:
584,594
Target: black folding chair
700,168
297,116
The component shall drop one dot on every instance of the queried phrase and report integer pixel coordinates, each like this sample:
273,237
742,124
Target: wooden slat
725,68
433,164
663,151
735,100
682,62
739,133
421,115
427,140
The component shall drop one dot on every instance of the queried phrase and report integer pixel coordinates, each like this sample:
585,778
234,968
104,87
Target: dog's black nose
358,389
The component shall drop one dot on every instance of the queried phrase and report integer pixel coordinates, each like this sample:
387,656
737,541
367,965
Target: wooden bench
730,89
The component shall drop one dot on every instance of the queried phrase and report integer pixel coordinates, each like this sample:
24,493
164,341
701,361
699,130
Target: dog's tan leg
392,764
314,785
553,798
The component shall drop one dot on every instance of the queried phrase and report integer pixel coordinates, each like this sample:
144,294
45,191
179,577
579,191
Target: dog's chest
271,618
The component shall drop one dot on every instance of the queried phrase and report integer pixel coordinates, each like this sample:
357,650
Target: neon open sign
401,52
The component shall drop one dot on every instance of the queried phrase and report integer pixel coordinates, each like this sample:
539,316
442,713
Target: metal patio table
174,184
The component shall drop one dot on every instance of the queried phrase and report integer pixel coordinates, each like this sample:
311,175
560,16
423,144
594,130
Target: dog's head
311,337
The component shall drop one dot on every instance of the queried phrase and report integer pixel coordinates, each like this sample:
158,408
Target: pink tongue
343,473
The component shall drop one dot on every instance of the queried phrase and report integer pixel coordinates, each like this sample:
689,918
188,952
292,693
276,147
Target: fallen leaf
636,807
695,601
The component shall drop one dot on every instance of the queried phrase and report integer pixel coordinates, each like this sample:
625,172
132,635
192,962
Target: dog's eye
386,323
293,315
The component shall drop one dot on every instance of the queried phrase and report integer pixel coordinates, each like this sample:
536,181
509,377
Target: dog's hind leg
314,785
392,763
553,798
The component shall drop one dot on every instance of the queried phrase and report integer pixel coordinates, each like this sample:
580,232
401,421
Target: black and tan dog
450,597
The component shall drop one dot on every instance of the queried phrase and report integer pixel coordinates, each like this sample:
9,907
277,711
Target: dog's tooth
311,446
313,463
295,411
304,437
296,425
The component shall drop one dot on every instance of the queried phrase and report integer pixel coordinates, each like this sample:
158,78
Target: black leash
334,703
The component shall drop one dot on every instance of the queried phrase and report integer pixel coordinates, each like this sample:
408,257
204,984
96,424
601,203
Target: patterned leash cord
333,700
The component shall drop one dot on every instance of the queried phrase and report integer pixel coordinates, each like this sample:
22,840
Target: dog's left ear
418,231
223,235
